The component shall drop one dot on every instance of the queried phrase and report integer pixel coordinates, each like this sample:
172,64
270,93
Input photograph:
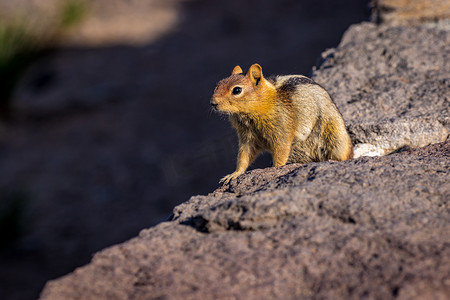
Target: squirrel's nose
214,103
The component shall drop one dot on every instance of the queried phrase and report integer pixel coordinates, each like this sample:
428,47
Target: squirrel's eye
236,90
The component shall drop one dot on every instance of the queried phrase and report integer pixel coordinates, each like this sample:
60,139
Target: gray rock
399,12
391,84
366,228
120,134
384,137
372,227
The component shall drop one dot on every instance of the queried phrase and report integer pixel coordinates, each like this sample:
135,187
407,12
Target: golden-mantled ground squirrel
290,116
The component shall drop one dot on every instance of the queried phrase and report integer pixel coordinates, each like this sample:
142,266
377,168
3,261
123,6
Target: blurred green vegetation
17,51
21,43
72,13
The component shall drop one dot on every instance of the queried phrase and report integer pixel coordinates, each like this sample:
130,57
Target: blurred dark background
109,125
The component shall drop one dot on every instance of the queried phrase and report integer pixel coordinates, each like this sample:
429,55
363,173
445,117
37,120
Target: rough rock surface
120,134
91,150
391,84
374,228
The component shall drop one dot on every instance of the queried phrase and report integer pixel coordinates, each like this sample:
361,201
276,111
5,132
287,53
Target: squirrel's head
243,93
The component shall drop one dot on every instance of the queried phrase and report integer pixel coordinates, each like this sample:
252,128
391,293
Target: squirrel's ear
236,70
255,74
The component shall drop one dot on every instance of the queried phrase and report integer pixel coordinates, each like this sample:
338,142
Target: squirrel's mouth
215,105
220,106
219,110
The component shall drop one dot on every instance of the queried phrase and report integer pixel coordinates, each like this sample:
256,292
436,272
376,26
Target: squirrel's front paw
229,177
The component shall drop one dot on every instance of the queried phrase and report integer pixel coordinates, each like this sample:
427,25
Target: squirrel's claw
226,179
229,177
